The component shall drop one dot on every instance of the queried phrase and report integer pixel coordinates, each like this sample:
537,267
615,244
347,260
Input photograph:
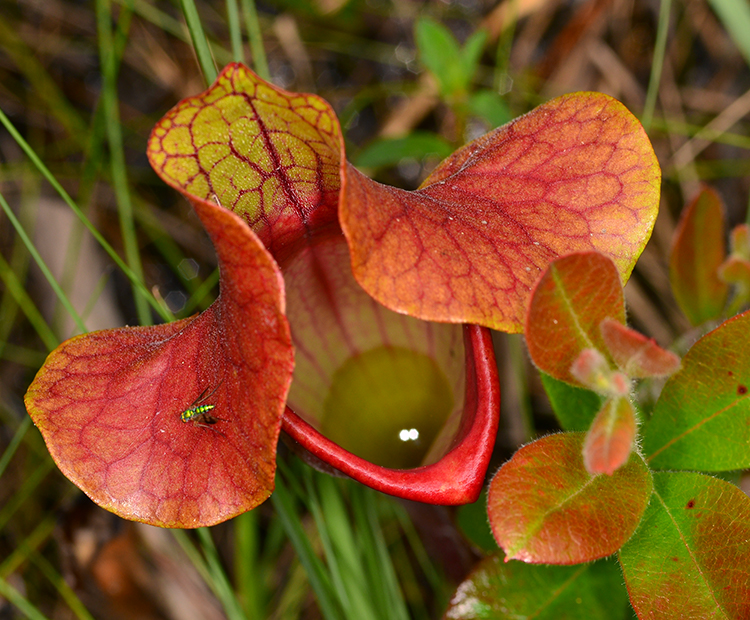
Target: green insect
198,413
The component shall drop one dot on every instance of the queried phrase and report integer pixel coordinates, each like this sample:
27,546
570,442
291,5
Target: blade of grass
42,265
18,436
28,545
338,582
337,525
191,551
219,581
17,291
200,43
316,573
379,564
252,25
248,570
109,63
32,68
26,490
735,15
235,32
657,64
5,121
21,603
63,589
197,298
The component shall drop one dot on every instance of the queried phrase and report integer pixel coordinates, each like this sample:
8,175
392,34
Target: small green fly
198,413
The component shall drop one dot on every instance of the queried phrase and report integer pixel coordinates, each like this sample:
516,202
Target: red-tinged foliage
544,507
575,174
702,418
593,371
458,476
273,157
569,302
637,355
609,441
690,556
269,155
108,403
735,270
697,251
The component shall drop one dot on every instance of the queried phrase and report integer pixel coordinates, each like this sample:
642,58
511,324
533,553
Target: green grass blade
18,436
334,570
337,525
248,569
316,573
20,602
63,589
24,301
20,555
5,121
260,63
39,164
116,151
25,491
235,31
657,64
42,265
200,43
735,15
51,97
381,574
219,581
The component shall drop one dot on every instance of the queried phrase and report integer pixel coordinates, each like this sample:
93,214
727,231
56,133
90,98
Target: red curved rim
457,477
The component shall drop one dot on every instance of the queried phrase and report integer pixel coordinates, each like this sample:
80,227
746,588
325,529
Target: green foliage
329,547
575,407
453,66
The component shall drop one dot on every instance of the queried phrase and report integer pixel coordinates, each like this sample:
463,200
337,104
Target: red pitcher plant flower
353,316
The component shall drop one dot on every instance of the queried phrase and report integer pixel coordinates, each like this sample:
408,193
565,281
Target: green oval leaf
576,174
702,418
497,590
571,299
544,507
690,556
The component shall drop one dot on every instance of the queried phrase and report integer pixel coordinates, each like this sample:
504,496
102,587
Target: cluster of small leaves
682,538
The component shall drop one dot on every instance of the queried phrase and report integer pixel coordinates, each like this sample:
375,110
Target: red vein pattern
108,403
270,156
575,174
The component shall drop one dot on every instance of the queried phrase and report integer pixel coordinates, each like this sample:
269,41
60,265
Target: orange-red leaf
609,441
544,507
636,355
108,403
698,250
572,298
576,174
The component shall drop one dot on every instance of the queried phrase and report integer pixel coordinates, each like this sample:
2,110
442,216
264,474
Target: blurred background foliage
81,85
